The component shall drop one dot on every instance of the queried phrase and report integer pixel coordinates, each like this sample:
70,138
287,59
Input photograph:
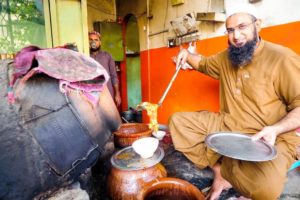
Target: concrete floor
292,187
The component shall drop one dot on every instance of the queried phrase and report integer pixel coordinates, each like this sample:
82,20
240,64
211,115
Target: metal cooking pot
132,115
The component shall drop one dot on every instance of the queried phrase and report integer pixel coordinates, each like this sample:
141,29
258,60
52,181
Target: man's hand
288,123
182,58
187,60
118,99
268,134
184,66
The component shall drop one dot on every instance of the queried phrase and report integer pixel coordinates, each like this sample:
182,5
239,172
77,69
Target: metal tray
240,146
128,159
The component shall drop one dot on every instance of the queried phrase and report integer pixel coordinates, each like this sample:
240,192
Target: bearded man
259,95
106,60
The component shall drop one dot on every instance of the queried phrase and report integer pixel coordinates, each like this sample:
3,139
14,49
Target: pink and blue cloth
75,71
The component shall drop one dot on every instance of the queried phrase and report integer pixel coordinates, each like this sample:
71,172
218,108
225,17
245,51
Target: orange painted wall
191,90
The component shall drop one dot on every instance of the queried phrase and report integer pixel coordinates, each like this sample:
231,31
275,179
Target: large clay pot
126,185
169,189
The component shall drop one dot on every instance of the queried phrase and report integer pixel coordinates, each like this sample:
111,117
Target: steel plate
240,146
128,159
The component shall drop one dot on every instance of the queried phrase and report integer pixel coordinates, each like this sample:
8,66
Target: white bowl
159,134
145,147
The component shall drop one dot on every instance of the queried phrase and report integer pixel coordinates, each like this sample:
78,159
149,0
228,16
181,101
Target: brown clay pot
130,132
126,185
170,189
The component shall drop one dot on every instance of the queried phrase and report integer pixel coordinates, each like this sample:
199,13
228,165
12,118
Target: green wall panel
133,81
111,40
132,35
70,22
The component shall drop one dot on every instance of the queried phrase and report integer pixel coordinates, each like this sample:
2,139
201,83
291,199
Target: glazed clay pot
130,132
170,189
126,185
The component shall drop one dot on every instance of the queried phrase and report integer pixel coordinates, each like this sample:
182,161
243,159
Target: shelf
132,54
211,16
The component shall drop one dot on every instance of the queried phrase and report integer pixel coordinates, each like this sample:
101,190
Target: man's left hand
268,134
118,99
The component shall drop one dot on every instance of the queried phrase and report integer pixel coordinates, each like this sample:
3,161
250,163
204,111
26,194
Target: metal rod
159,32
169,86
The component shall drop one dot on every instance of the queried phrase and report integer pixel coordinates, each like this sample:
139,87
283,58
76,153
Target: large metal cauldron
48,139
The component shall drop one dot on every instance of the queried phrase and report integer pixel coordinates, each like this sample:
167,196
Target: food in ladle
152,113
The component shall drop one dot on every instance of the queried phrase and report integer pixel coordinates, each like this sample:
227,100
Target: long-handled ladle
178,67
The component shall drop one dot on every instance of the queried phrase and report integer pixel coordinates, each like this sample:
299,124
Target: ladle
125,120
178,67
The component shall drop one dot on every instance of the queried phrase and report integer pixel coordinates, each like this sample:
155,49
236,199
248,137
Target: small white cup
145,147
159,134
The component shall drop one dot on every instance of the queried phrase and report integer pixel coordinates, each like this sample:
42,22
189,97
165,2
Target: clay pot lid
128,159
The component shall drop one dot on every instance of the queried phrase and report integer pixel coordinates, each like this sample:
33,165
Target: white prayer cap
235,8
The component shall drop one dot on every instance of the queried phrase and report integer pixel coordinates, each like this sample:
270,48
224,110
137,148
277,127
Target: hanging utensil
125,120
